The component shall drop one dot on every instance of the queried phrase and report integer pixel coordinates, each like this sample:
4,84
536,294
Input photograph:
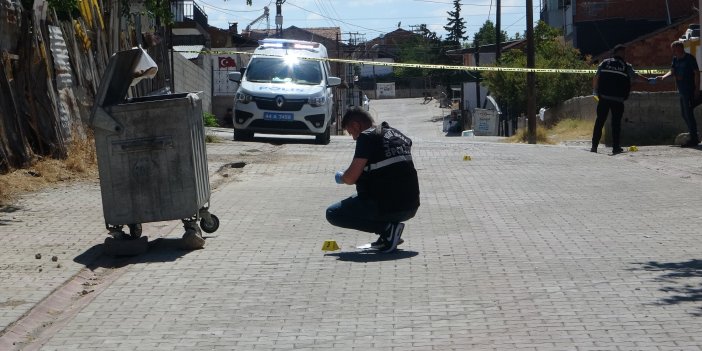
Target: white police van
285,89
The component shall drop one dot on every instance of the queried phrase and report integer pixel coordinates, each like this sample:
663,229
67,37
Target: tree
551,88
425,32
456,26
486,35
424,47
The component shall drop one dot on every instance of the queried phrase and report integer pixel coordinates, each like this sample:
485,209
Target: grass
565,130
81,164
572,129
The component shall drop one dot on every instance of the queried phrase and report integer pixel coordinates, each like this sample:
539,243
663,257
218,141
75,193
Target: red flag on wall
225,62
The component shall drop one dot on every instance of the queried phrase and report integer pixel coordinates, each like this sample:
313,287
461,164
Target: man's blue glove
338,177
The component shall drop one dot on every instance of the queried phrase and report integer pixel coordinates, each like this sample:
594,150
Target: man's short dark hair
357,114
677,43
618,48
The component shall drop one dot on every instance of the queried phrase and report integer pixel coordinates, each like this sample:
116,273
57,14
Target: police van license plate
277,116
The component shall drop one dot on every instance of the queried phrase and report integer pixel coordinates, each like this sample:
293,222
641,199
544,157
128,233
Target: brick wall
653,52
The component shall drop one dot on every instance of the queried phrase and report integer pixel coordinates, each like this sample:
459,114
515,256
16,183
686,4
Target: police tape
428,66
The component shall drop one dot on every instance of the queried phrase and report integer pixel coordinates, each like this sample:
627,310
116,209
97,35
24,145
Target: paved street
522,247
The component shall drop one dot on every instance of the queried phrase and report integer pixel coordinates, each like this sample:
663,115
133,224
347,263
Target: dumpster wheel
210,227
134,230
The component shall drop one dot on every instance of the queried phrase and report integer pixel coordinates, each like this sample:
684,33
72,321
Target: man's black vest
614,78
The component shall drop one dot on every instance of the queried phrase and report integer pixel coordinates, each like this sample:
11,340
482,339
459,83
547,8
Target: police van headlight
244,98
316,101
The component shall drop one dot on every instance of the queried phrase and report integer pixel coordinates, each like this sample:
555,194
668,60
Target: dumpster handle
144,144
101,119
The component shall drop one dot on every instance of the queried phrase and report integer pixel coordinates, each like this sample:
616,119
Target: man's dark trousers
603,108
688,115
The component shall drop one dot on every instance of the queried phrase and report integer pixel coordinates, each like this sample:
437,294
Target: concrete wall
194,76
649,118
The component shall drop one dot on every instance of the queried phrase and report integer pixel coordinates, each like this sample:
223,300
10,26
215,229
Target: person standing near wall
611,85
687,79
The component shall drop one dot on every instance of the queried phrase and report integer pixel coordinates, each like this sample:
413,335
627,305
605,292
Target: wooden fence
49,79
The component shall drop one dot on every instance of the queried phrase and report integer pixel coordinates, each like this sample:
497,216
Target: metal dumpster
151,155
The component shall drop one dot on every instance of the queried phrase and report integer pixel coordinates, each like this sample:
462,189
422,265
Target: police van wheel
324,138
242,135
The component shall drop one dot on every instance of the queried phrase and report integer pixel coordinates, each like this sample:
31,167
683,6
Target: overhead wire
322,8
344,22
328,14
231,12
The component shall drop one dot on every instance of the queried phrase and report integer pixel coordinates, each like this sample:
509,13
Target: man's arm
666,75
595,81
354,171
635,76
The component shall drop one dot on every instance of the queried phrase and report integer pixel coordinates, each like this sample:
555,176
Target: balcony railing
188,10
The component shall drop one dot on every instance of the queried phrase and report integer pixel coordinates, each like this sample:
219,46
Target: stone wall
649,118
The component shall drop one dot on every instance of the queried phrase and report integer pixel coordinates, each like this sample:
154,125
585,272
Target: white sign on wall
485,122
385,89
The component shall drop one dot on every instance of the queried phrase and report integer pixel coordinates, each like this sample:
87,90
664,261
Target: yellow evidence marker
466,158
633,148
330,245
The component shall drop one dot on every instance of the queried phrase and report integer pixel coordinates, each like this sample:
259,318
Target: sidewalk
524,247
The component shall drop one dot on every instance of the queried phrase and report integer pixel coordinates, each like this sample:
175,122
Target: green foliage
426,33
158,9
209,120
65,9
486,35
417,50
509,88
456,26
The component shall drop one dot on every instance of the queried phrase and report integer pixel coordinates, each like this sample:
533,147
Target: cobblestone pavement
527,247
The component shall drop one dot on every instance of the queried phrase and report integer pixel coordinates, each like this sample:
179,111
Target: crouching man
387,188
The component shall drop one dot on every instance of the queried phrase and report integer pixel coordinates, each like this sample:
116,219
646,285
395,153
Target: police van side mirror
333,81
234,76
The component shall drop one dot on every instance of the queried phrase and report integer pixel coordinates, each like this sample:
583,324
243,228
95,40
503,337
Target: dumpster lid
118,77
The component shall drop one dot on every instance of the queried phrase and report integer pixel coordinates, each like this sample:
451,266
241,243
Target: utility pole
498,20
279,18
531,76
477,74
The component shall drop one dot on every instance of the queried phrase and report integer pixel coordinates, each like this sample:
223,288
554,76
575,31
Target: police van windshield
280,70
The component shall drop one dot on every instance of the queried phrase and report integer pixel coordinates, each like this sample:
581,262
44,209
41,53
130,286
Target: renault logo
279,101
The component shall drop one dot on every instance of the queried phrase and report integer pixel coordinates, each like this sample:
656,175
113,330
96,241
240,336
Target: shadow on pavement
160,250
8,209
683,278
373,256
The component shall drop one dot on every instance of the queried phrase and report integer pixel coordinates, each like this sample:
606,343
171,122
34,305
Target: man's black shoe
617,150
594,149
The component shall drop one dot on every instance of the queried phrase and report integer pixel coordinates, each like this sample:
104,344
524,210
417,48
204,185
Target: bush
209,120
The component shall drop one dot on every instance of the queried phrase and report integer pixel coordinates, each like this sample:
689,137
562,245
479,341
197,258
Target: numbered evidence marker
330,245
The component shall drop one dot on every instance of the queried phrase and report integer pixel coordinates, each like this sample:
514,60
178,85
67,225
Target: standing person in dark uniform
611,85
687,79
386,181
